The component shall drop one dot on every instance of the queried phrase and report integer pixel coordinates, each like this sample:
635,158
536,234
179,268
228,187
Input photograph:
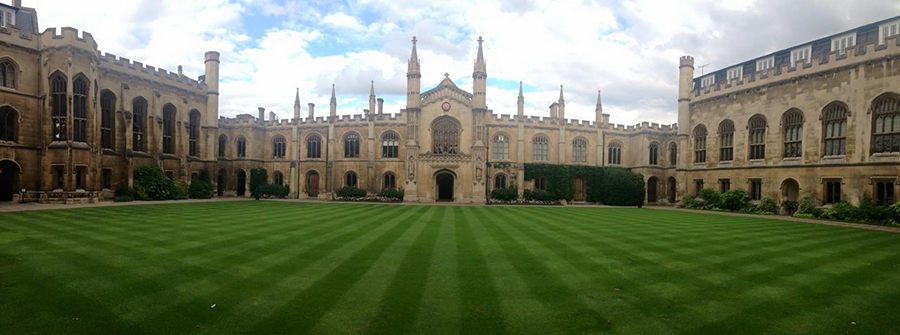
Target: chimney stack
262,113
17,3
380,105
272,116
312,108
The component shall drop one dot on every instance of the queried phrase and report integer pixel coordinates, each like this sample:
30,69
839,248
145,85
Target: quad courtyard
270,267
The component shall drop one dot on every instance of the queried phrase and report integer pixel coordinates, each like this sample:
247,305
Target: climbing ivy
608,185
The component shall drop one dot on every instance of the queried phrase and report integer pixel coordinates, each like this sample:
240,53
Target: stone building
74,123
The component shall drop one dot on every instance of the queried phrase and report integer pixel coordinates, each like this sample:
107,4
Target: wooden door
579,189
312,185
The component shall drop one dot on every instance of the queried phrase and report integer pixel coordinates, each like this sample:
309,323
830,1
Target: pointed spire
599,103
333,98
480,66
297,98
372,90
413,59
520,90
561,99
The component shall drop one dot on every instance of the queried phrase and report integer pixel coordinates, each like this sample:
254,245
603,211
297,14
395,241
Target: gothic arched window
654,153
540,148
390,145
278,178
279,147
886,123
169,129
241,147
194,133
673,154
7,74
834,127
350,179
59,105
314,146
351,145
757,126
792,122
223,141
499,181
389,182
445,136
501,147
139,122
615,153
79,109
579,150
700,144
726,141
8,120
108,120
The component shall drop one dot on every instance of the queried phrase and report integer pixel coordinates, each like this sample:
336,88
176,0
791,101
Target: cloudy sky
628,49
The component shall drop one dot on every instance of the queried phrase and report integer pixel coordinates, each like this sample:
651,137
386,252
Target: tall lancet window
445,136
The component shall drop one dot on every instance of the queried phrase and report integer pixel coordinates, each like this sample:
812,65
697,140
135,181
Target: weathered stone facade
446,144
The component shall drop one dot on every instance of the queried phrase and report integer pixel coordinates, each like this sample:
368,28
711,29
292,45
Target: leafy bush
392,193
180,191
258,177
151,183
809,205
505,194
734,200
870,211
124,194
621,187
351,192
842,211
200,189
687,201
789,206
539,195
768,205
274,191
710,198
895,209
750,209
804,216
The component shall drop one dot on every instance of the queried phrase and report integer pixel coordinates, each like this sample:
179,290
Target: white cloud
627,49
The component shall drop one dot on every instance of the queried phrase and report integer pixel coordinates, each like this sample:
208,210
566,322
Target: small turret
685,86
372,98
598,111
479,77
413,78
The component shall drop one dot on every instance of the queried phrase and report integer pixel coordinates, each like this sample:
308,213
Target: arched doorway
241,183
790,190
651,189
221,182
444,186
579,189
671,193
312,184
9,179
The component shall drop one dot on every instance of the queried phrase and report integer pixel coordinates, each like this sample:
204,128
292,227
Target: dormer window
735,73
7,18
887,30
843,42
707,81
765,64
801,55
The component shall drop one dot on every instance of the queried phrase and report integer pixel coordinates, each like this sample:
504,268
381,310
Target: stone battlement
68,37
127,66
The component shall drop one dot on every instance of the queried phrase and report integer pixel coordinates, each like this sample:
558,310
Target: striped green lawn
274,267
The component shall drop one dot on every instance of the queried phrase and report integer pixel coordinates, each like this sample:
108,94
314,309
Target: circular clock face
445,106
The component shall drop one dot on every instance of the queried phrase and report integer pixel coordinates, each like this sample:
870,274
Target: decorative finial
414,40
480,40
446,75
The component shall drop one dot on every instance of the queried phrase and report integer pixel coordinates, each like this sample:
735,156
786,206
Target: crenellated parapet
68,37
833,61
15,36
126,66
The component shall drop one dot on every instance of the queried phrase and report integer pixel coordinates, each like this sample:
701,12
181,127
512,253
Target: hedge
258,177
351,192
608,185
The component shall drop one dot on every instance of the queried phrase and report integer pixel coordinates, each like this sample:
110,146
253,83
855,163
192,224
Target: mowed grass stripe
545,285
271,269
401,301
480,309
302,312
439,311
